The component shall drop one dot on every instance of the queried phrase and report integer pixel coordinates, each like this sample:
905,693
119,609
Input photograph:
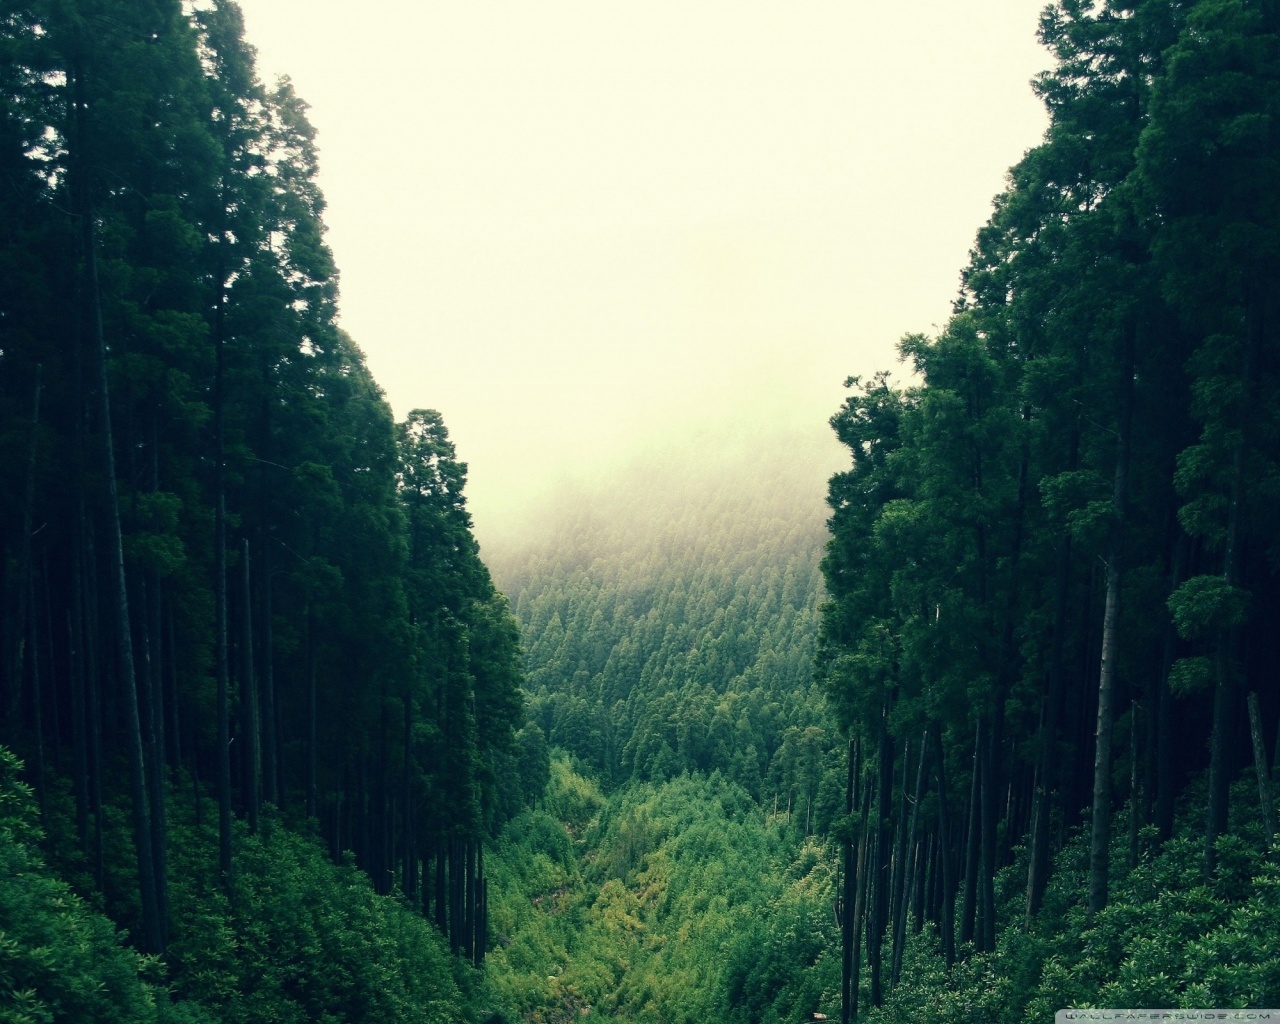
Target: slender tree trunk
898,865
1227,662
848,929
1100,839
271,769
152,938
37,701
93,637
947,916
249,704
988,796
1135,802
860,905
969,906
900,922
221,666
14,717
442,912
79,735
154,750
311,711
481,912
1264,778
882,878
409,853
1165,711
1038,862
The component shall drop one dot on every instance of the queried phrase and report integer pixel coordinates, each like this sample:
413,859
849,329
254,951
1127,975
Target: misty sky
583,229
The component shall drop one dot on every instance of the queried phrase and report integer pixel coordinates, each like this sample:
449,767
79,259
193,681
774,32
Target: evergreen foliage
1053,565
234,590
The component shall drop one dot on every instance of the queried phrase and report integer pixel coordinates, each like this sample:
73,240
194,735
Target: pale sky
583,229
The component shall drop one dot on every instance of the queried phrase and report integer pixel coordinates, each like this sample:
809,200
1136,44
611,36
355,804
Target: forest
992,732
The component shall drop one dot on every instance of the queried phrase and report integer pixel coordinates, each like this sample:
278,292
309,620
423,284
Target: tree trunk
273,787
221,667
859,906
1100,838
311,712
409,854
900,922
848,930
969,906
23,586
1227,662
946,922
249,705
884,826
1264,777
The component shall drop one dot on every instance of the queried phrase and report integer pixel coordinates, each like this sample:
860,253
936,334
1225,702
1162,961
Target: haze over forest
654,227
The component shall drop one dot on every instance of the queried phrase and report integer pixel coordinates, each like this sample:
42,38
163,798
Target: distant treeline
672,630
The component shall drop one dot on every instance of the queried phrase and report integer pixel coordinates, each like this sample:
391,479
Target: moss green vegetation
674,901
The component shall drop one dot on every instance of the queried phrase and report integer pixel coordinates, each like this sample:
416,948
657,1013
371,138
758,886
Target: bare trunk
1264,778
1100,838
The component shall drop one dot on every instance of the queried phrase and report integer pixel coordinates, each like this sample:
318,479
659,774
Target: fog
598,234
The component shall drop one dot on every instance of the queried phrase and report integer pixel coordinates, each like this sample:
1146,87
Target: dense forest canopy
1001,739
1053,571
237,595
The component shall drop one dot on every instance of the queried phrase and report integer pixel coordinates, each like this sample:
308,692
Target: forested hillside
245,623
670,621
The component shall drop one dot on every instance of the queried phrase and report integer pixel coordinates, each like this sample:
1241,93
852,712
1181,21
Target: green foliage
301,939
682,901
60,960
1204,604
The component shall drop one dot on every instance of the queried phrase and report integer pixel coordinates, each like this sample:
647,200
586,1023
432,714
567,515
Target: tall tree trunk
1227,663
884,826
1165,782
37,700
249,704
1100,837
13,719
1264,777
311,711
481,912
859,905
152,937
988,799
1046,775
409,853
221,666
274,788
900,922
848,930
946,921
1135,801
969,906
154,748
